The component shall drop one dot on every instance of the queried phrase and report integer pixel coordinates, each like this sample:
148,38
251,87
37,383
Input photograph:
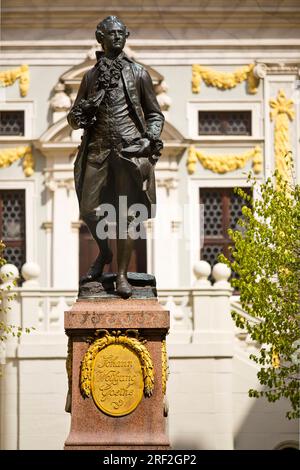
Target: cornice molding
156,52
146,16
141,44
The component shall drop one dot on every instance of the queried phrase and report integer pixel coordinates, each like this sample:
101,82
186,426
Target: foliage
265,257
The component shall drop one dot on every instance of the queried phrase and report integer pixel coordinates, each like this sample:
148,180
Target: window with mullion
222,209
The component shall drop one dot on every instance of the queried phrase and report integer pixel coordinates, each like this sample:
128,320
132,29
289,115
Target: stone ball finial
221,273
30,272
202,271
8,274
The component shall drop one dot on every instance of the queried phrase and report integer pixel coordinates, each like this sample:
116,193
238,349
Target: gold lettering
110,361
117,381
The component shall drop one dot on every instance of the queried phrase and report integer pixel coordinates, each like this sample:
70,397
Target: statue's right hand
90,105
97,97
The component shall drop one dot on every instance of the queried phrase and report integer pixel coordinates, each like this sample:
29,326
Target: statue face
114,38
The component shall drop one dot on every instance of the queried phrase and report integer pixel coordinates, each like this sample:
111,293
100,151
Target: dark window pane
14,255
210,253
224,122
212,213
13,208
12,226
222,210
12,123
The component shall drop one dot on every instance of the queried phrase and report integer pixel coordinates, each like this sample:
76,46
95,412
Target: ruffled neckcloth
109,72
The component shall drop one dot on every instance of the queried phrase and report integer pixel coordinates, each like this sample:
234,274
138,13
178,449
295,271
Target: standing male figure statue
117,108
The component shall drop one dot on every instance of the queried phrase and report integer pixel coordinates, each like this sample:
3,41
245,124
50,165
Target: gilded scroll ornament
135,345
165,368
69,373
282,112
8,78
224,80
226,162
10,155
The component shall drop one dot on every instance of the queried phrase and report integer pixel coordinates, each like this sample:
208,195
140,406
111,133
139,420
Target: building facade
218,70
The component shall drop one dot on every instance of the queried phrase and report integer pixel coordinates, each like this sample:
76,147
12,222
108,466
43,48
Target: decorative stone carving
224,80
91,54
167,183
225,162
8,78
175,225
120,391
283,68
165,367
53,184
10,155
282,112
60,101
48,226
260,70
163,98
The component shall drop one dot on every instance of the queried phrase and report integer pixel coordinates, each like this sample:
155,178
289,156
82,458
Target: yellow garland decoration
133,344
10,155
165,368
224,80
282,113
224,163
275,360
8,78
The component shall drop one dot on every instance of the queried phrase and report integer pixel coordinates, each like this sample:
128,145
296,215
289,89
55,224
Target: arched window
287,445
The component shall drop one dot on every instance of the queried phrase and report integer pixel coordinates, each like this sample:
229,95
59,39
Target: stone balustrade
200,315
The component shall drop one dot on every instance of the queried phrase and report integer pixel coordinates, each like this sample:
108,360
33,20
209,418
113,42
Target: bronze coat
141,95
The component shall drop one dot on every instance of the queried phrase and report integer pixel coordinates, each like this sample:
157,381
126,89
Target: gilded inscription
117,380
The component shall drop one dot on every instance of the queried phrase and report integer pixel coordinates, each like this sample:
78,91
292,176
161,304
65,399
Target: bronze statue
117,108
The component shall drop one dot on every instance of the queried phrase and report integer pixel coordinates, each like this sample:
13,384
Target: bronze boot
125,246
95,271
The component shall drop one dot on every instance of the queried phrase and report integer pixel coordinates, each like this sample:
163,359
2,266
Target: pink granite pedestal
143,428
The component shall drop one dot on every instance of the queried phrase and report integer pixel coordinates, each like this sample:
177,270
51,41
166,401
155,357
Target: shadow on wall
185,443
265,427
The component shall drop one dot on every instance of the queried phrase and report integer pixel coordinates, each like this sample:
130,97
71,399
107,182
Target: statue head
111,33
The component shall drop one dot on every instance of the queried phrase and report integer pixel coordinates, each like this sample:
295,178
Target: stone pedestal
145,426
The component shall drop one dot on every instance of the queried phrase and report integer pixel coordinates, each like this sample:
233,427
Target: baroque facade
219,71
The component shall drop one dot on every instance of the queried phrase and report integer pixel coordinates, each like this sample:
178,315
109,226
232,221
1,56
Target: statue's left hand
145,148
